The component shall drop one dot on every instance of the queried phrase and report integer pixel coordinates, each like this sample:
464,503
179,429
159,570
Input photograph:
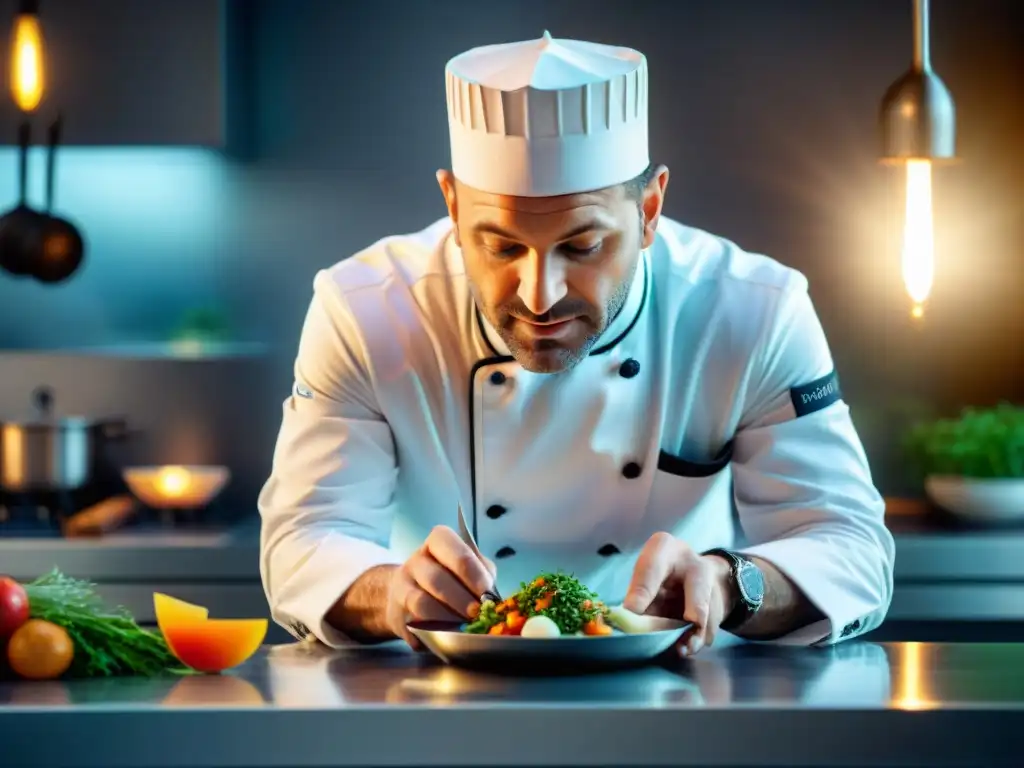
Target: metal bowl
525,655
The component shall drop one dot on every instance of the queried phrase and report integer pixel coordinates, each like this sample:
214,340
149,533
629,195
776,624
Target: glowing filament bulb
918,235
27,70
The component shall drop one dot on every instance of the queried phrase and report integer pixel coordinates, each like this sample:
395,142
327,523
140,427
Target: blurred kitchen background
217,154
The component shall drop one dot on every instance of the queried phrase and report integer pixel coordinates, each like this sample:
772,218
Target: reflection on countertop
308,675
875,703
906,676
302,675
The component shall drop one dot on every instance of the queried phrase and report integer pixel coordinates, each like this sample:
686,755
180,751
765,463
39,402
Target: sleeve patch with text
819,394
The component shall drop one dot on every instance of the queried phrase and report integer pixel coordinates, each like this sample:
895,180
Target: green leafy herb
980,443
486,619
559,596
107,642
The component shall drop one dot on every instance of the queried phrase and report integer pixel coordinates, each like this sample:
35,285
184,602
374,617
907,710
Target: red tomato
13,606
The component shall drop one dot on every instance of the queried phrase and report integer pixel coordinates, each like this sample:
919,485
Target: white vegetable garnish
633,623
540,626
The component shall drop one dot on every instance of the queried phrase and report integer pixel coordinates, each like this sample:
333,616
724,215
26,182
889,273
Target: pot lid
45,418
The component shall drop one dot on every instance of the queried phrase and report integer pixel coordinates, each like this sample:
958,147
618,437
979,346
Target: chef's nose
541,282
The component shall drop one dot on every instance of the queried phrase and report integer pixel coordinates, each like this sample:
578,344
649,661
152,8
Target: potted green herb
200,329
973,465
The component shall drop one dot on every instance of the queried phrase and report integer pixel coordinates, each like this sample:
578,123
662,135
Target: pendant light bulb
27,67
918,123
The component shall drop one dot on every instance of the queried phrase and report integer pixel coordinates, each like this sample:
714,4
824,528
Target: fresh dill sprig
107,642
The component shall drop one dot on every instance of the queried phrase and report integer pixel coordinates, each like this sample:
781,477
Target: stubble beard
551,356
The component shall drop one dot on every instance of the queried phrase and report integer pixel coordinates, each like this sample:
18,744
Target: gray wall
763,109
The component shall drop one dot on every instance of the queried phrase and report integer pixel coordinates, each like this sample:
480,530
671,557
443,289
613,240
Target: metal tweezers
468,538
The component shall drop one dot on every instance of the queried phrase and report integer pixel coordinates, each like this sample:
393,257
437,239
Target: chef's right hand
442,581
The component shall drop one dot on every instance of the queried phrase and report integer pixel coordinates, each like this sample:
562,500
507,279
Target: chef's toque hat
547,117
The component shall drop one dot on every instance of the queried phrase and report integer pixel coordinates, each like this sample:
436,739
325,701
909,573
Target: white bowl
176,487
995,500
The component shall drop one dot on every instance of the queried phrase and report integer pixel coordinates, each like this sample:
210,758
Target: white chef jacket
711,399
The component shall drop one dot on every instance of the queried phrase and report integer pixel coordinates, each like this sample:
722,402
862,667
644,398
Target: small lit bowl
176,487
979,500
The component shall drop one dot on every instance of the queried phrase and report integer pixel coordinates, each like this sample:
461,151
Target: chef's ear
446,180
651,204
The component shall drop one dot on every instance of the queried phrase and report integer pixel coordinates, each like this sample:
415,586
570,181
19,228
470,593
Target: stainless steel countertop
303,705
149,556
925,552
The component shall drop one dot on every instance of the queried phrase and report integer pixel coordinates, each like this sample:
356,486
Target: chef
604,390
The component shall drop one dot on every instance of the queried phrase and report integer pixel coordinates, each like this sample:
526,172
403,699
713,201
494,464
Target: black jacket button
495,511
631,471
497,378
629,369
608,550
504,552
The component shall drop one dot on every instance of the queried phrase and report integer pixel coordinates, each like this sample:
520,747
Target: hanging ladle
60,248
20,226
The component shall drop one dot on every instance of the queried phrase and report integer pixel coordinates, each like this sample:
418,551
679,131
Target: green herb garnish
559,596
486,619
107,642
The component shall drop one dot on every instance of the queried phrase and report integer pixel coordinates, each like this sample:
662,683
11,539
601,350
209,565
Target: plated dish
552,605
552,623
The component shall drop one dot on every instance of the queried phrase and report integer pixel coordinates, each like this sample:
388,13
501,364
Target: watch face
751,583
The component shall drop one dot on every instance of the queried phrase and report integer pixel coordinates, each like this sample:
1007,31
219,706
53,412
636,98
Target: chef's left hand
673,581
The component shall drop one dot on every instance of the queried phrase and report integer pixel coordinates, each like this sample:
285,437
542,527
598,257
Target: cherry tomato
39,650
13,606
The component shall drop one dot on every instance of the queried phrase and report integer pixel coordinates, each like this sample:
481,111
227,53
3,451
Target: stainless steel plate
547,656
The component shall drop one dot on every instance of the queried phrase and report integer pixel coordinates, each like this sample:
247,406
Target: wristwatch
749,583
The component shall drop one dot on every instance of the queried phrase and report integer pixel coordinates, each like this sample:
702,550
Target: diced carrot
544,602
497,629
539,582
510,603
587,605
596,626
514,623
501,608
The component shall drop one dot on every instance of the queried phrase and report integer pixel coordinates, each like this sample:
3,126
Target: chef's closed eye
500,247
573,248
582,248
